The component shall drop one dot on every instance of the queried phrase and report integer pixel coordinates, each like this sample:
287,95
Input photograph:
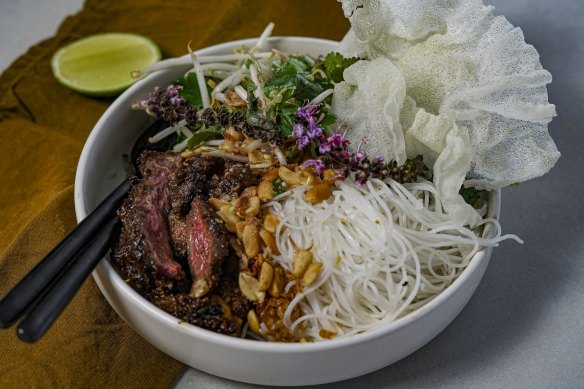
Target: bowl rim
115,280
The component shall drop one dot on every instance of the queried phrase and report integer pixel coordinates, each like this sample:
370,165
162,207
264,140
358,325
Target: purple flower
307,111
174,90
324,148
303,142
313,130
359,156
298,130
317,164
337,140
380,159
176,100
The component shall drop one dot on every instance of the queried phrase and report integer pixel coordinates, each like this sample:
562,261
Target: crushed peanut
312,273
318,193
253,322
289,177
269,241
251,240
271,223
266,276
300,262
266,190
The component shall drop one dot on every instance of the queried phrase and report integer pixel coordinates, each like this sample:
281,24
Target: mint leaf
335,64
284,77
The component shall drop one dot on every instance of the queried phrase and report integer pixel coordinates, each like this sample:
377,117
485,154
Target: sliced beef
207,246
192,181
143,249
169,227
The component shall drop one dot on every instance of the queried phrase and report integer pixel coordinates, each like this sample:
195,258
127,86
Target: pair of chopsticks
45,291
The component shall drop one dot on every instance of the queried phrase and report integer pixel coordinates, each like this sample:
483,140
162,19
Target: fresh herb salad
284,100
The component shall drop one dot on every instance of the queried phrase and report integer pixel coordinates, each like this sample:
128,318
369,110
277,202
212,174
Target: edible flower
307,111
317,164
335,152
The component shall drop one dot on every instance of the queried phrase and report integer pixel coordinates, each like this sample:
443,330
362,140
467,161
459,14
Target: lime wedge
100,65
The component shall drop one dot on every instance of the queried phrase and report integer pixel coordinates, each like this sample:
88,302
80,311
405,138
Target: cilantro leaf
335,64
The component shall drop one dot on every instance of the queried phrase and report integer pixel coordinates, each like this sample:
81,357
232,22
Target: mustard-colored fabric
43,126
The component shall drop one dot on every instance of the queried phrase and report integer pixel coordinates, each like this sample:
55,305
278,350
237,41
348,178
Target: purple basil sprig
335,152
168,105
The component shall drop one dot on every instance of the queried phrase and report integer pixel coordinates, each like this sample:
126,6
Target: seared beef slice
143,249
166,218
197,235
190,182
207,246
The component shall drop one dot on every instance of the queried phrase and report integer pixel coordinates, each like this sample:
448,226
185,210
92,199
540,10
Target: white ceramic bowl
100,170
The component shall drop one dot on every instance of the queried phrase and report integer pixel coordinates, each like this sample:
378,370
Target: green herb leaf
294,75
284,77
200,137
335,64
248,63
287,118
191,92
300,63
306,89
328,120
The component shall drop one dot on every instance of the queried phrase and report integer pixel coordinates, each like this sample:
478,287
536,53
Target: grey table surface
524,327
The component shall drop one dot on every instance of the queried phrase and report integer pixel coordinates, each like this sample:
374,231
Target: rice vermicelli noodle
386,249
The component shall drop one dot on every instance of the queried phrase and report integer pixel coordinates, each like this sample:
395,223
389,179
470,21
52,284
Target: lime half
100,65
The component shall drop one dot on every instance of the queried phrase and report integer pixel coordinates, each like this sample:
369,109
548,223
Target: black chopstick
44,312
44,274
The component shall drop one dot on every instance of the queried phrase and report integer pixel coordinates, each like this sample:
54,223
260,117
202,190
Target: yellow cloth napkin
43,126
